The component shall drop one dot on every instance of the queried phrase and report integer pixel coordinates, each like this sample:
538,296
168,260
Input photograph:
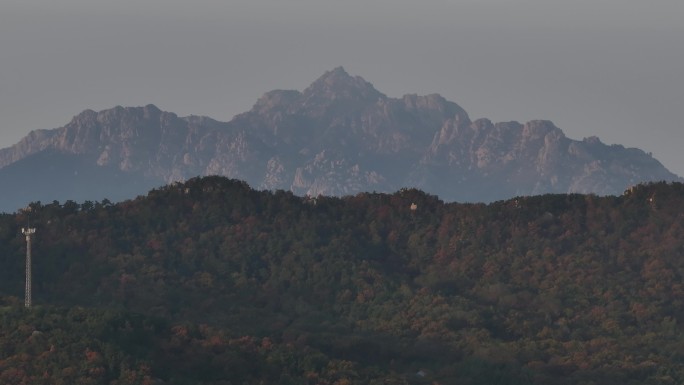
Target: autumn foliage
212,282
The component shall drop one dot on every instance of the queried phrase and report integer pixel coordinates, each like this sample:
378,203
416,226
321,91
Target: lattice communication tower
29,231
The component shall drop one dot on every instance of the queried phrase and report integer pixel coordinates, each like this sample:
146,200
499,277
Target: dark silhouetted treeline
211,282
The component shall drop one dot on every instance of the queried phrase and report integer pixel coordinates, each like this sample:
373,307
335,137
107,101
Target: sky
607,68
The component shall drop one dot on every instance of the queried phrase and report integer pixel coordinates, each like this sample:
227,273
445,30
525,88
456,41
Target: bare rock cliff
341,136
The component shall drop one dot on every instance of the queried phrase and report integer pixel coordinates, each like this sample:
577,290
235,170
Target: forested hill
212,282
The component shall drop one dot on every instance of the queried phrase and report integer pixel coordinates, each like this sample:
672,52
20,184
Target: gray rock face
339,136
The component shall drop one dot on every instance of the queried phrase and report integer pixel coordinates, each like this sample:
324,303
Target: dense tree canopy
211,282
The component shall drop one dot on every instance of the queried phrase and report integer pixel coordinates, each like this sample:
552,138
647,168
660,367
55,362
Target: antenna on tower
28,232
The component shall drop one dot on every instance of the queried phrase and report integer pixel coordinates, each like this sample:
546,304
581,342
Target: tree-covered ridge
561,289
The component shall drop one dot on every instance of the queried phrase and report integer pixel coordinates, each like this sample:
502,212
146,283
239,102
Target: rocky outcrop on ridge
338,136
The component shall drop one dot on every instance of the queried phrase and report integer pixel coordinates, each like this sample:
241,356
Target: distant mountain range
339,136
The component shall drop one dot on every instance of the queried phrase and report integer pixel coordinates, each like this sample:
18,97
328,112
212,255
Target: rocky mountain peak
338,84
536,129
127,116
276,100
437,107
85,118
339,136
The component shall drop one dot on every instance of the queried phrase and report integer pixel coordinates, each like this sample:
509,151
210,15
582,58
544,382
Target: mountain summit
338,136
339,85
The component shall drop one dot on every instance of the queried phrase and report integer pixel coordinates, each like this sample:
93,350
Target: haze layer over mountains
339,136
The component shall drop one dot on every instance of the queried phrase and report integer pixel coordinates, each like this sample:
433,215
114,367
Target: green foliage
211,282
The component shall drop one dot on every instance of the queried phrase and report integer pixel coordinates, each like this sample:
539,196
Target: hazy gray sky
610,68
